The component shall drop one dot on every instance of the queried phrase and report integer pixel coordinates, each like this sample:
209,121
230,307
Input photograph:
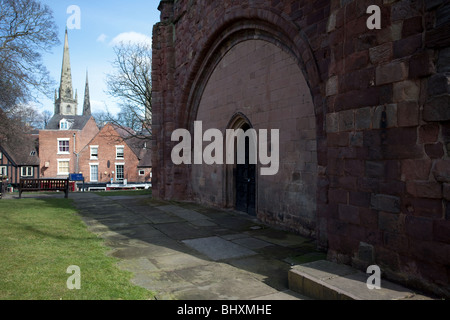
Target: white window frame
117,152
1,156
143,172
90,171
27,174
123,173
3,170
63,140
64,125
92,157
68,170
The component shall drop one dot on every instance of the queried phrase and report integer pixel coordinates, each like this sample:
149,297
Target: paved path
190,252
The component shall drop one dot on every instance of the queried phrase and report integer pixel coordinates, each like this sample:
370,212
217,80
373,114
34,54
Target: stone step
325,280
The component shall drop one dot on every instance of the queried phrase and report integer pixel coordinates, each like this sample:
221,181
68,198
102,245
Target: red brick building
114,156
73,143
363,116
59,148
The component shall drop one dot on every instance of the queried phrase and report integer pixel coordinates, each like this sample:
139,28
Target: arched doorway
245,180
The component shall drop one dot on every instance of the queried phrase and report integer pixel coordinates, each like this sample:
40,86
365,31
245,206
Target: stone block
391,72
357,60
356,139
412,26
443,16
381,54
363,118
418,169
446,191
391,222
383,202
366,253
346,120
391,116
406,91
359,199
349,214
428,133
436,109
337,195
408,114
441,170
332,86
338,139
435,150
422,189
439,84
407,46
421,65
443,64
419,228
441,231
375,169
332,122
390,33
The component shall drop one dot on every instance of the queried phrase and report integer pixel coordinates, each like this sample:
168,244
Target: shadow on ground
190,252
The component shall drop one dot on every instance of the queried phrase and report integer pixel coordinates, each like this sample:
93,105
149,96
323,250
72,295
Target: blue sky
91,46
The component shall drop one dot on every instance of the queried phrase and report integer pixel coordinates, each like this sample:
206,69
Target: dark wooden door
245,177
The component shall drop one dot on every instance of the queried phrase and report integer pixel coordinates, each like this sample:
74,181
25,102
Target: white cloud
102,38
131,38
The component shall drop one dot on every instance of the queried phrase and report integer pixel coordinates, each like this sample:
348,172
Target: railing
44,185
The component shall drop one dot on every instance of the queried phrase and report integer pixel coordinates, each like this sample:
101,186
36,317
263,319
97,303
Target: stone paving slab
191,252
217,248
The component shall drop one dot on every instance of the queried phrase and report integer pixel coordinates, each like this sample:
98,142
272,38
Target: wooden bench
34,185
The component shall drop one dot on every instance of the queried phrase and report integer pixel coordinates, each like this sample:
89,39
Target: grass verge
40,239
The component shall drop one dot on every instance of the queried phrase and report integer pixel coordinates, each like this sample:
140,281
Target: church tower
65,102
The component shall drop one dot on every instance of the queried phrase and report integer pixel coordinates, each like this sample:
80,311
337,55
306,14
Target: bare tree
131,85
26,29
46,117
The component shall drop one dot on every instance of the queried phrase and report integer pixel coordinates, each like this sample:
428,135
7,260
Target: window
120,172
142,172
1,156
63,167
63,146
94,152
3,171
120,152
94,172
32,153
26,171
64,124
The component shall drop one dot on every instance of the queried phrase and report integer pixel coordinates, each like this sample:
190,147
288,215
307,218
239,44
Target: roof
22,153
145,158
78,122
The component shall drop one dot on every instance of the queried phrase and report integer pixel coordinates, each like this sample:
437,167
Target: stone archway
263,81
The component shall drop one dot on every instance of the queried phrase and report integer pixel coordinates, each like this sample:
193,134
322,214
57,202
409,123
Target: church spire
66,104
87,100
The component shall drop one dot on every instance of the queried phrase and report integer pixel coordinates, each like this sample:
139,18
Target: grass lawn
125,193
40,239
